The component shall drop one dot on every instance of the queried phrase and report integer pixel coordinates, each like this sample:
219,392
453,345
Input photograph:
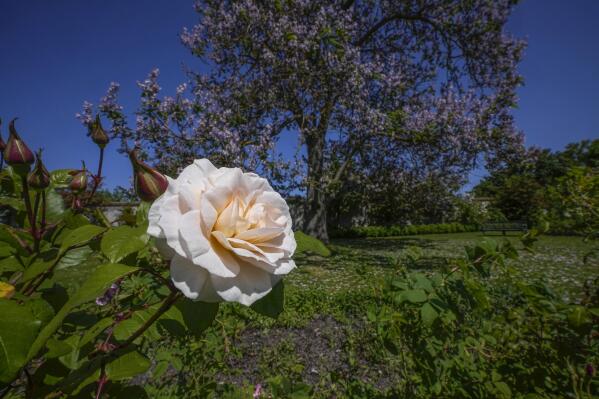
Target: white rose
228,233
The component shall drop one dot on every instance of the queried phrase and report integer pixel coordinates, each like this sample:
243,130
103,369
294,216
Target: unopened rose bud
149,183
97,133
2,143
78,183
39,177
16,152
590,370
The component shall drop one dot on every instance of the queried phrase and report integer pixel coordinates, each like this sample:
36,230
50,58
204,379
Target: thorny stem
97,177
28,205
166,305
36,233
22,243
43,220
101,381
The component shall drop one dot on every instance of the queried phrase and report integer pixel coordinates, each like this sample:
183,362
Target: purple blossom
110,293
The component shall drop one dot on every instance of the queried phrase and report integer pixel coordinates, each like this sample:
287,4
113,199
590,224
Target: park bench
504,227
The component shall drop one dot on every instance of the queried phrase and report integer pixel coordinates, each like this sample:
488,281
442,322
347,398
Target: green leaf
94,286
15,203
74,257
196,316
19,326
60,178
127,366
37,268
55,208
422,282
413,296
428,314
123,330
272,304
141,213
80,236
97,328
122,241
578,317
10,264
503,389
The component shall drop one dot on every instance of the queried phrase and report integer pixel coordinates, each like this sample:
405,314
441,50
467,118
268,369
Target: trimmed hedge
310,245
391,231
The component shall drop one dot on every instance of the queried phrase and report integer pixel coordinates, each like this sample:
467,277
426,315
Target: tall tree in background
368,86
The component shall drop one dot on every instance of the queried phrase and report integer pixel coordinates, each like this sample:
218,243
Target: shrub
393,231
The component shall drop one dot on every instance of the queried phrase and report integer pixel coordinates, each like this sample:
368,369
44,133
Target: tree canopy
376,92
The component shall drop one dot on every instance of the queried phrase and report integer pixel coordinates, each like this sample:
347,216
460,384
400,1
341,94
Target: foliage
80,296
393,231
574,202
326,343
460,336
532,187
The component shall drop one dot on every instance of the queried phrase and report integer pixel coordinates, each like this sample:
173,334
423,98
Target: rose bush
227,233
79,293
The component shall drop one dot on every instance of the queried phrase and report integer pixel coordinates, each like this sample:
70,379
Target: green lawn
356,263
322,338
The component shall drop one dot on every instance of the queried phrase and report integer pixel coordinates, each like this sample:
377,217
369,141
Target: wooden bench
504,227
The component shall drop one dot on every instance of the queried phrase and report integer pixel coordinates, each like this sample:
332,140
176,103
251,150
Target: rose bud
78,183
16,152
590,370
39,177
149,183
97,133
2,143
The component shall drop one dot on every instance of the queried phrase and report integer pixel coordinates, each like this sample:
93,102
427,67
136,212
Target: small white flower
228,233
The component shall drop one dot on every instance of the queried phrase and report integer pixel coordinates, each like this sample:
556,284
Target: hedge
390,231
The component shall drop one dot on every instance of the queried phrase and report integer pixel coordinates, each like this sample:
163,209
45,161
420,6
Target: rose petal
169,223
246,288
205,166
191,174
164,249
191,280
190,196
192,237
219,261
154,213
260,234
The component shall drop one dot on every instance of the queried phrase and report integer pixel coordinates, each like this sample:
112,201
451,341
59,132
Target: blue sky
57,54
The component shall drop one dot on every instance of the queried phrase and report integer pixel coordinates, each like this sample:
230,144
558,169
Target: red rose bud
149,183
78,183
16,152
590,370
39,177
97,133
2,143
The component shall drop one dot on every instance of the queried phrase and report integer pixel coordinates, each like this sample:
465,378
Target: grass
321,338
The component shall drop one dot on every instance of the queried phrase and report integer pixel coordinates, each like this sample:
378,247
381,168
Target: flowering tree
365,84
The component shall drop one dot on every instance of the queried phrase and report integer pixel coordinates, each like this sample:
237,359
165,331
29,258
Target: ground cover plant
341,333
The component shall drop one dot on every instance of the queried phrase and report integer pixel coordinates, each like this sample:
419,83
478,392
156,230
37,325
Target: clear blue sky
55,54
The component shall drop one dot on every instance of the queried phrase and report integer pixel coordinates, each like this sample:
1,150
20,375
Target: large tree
364,84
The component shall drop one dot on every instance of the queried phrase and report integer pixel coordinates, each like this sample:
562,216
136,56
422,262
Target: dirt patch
325,347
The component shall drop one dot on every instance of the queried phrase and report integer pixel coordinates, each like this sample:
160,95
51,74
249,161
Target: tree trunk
315,222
